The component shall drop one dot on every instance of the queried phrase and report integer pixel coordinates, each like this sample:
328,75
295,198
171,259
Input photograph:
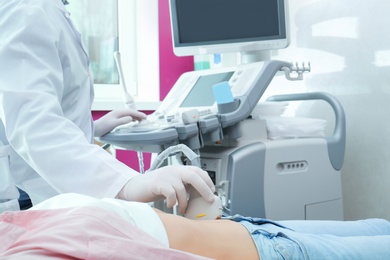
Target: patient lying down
73,226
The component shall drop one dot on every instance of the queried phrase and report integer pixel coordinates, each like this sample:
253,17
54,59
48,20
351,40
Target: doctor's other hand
169,182
116,118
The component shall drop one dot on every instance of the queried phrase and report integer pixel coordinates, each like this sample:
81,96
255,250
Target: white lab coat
46,92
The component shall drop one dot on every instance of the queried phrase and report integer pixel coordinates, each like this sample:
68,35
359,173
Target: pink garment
77,233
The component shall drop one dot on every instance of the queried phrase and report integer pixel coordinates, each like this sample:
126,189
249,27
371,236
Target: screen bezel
231,45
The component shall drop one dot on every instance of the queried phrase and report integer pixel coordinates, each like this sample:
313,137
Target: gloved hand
169,182
116,118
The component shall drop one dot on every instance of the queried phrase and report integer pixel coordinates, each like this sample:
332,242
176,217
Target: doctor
46,128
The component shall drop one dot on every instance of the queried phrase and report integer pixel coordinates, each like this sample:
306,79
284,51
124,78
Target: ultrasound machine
209,111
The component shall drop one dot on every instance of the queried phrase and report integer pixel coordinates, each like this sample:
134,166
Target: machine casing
276,179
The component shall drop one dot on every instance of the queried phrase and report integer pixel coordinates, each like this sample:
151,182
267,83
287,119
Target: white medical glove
116,118
169,182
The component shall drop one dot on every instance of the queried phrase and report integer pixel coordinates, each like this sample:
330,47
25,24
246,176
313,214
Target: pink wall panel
171,66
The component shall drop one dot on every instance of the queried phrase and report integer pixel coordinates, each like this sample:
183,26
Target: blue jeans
297,239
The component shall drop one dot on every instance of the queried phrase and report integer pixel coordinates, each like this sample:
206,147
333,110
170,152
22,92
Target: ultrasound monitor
227,26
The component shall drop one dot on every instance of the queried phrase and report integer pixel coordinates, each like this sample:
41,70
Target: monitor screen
217,26
201,93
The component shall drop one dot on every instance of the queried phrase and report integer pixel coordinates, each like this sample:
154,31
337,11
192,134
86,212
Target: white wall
348,45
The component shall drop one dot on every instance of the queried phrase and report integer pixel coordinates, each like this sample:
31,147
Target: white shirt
138,214
46,92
